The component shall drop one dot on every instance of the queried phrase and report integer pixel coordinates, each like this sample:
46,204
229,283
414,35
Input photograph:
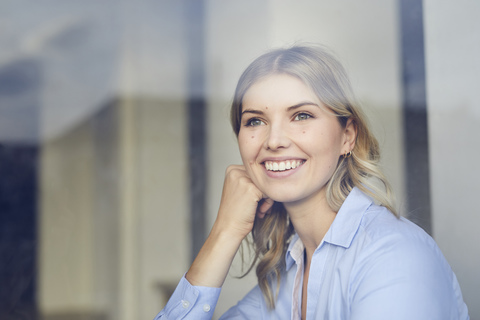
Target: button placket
185,304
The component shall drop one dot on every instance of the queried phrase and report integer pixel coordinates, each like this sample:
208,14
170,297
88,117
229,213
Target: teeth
282,165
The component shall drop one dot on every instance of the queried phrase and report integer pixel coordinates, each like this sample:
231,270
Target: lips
283,165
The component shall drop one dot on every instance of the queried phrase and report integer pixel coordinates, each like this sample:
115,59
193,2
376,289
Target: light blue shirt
370,265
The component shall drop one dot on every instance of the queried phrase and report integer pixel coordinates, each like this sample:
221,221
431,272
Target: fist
241,201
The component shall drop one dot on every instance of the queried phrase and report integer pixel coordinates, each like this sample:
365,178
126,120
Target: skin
282,119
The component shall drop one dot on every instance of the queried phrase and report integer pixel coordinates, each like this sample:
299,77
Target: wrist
230,230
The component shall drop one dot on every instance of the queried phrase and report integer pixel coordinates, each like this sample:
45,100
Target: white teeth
282,165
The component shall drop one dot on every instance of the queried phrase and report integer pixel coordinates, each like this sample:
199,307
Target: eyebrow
296,106
301,104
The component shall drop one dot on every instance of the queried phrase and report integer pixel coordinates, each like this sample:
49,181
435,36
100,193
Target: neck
311,219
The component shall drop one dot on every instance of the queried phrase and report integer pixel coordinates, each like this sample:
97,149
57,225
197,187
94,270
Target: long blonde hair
324,74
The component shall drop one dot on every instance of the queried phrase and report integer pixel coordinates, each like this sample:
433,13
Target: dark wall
19,127
18,207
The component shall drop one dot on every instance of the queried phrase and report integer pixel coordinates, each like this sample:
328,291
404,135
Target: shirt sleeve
190,302
402,278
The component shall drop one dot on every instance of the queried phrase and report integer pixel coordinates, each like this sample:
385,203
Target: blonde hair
324,74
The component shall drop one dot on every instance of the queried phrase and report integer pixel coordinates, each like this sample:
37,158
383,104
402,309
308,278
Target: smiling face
289,141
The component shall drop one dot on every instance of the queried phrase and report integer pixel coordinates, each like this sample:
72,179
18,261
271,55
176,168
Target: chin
283,196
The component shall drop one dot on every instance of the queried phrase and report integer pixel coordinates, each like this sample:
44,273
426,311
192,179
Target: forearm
213,262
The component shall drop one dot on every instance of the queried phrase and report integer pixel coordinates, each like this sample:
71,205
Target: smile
283,165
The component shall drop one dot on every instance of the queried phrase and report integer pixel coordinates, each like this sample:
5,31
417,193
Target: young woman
328,241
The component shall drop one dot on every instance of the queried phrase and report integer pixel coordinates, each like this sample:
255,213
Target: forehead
278,90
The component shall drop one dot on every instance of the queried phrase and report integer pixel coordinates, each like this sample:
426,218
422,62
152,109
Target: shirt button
185,304
206,308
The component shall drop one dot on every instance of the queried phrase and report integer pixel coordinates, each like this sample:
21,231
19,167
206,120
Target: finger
265,206
235,167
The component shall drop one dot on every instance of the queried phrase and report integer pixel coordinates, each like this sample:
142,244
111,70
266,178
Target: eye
302,116
253,122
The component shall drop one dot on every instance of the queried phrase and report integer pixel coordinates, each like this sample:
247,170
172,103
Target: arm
200,288
238,207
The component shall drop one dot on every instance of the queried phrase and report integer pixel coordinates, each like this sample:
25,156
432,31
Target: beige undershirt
297,253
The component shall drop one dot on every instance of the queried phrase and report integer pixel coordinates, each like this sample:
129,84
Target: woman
328,241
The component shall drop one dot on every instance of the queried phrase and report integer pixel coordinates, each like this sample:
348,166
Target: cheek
318,142
245,145
249,146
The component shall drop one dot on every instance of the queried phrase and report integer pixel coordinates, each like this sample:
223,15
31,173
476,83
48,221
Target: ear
350,136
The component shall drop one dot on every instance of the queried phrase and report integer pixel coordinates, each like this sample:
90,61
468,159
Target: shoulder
400,246
396,257
381,228
398,242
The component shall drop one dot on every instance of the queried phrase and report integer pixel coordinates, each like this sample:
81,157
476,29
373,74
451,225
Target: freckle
266,108
303,131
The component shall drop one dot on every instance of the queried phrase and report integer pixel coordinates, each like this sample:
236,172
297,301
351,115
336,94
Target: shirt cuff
190,302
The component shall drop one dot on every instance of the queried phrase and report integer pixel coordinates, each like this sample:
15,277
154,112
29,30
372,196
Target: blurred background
114,135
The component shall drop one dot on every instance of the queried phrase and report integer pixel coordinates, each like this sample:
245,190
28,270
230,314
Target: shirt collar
344,226
348,219
294,251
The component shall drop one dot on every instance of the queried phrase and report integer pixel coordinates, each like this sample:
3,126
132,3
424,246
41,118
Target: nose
277,138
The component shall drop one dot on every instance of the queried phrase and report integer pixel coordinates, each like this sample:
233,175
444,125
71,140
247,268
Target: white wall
114,187
65,261
153,77
452,38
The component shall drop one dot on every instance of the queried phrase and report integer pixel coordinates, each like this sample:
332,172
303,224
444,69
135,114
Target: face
289,141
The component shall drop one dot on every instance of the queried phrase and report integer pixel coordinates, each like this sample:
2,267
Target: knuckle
235,173
229,169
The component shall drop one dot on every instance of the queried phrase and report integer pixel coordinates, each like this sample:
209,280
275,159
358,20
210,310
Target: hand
241,201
